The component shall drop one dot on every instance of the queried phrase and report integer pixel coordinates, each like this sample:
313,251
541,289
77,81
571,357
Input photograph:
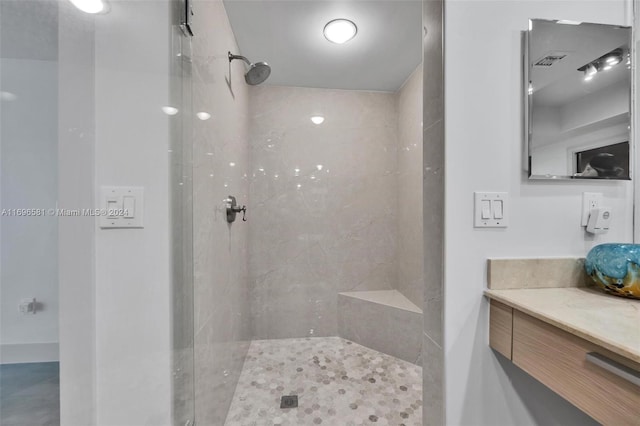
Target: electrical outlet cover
590,201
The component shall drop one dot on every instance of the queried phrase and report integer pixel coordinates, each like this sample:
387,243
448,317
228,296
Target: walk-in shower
257,73
316,299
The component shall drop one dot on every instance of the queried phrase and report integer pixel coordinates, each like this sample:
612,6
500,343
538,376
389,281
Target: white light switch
129,206
121,207
496,205
486,209
490,210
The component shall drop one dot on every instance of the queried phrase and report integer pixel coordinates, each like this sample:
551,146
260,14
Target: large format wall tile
378,325
433,210
410,280
323,204
220,168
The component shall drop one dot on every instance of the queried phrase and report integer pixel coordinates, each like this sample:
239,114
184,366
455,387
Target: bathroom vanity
580,342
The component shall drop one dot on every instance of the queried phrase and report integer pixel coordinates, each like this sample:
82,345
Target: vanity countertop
608,321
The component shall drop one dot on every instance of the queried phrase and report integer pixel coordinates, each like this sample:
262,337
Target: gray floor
30,394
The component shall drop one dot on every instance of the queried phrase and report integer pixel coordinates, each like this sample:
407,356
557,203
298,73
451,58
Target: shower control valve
233,209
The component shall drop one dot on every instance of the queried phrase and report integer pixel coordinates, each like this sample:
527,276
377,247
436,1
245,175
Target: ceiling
562,83
288,35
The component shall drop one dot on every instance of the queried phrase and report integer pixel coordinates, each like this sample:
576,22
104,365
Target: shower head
257,72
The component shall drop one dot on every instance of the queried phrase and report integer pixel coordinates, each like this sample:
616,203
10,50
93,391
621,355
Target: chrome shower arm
232,57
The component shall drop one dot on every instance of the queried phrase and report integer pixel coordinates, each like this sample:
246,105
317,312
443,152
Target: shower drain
289,401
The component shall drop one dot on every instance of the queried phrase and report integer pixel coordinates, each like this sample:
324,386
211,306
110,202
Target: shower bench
383,320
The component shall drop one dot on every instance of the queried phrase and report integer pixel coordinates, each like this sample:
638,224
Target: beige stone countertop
609,321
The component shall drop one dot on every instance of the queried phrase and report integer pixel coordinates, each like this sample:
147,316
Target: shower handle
233,209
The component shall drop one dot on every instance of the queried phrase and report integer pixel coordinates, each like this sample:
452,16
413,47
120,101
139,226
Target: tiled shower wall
220,167
334,207
433,153
410,280
322,204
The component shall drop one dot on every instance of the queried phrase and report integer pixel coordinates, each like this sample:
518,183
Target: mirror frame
527,110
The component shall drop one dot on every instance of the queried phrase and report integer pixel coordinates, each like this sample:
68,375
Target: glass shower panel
59,88
181,188
29,98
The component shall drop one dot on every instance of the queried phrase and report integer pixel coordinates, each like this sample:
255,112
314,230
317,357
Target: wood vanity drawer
558,360
500,327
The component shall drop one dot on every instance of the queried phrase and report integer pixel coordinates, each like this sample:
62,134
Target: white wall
132,293
76,234
29,180
595,107
483,153
28,134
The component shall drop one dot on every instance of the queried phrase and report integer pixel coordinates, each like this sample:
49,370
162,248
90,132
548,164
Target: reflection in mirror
578,95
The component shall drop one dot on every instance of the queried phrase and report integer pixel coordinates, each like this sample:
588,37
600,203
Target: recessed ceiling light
340,31
203,115
317,119
89,6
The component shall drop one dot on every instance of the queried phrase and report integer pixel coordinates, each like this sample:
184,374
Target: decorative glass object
615,268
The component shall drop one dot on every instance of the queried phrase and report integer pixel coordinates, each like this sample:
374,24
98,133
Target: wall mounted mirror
577,92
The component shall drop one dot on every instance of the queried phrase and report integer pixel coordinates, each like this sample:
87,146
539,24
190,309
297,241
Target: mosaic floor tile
337,382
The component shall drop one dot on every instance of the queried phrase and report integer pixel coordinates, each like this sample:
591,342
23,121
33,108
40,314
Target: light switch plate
495,200
116,203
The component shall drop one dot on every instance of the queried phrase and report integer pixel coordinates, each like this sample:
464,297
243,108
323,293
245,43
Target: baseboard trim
29,352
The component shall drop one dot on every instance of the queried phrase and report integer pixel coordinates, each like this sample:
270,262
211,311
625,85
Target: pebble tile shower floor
337,382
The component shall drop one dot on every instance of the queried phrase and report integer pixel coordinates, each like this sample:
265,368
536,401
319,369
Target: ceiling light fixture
204,116
603,63
317,119
89,6
589,72
340,31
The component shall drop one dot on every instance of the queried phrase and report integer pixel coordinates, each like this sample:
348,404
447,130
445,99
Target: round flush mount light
340,31
89,6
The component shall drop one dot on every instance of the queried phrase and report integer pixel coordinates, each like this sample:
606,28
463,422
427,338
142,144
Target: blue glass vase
615,268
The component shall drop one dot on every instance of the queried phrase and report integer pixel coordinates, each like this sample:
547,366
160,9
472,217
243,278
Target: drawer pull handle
616,368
